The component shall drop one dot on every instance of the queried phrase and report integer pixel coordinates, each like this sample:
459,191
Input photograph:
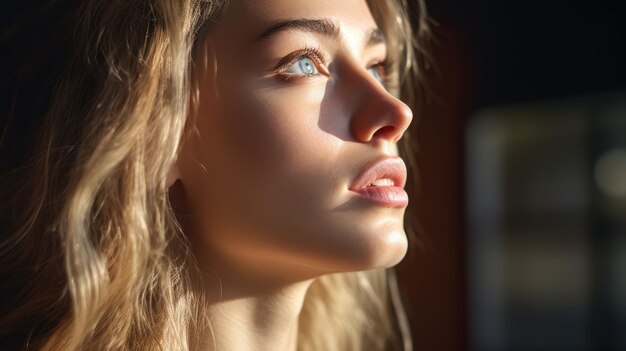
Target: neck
250,310
267,321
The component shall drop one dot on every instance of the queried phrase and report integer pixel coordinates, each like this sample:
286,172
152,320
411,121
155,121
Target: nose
377,114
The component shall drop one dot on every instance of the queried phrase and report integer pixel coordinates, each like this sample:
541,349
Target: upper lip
387,167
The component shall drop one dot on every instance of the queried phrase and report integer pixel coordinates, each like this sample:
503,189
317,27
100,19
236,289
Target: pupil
307,66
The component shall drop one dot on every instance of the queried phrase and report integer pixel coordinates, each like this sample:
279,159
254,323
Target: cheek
266,152
276,136
277,183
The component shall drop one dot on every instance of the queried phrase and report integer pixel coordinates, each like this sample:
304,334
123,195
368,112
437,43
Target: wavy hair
91,254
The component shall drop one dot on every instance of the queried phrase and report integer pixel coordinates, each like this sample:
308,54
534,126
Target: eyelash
386,65
314,53
320,59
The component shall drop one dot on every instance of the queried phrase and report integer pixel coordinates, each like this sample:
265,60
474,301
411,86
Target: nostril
384,132
379,115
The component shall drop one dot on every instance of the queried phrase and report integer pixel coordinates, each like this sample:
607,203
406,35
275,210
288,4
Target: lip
388,196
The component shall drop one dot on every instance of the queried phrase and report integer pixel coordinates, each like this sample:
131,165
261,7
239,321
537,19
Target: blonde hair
92,256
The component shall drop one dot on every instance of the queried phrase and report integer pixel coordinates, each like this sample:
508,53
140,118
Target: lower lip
387,196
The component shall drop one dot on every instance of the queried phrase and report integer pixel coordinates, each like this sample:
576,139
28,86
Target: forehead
251,17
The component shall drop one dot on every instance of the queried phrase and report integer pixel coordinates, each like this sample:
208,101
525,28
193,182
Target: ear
173,174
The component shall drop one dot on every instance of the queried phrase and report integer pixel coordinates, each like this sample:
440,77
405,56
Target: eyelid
386,66
321,60
314,53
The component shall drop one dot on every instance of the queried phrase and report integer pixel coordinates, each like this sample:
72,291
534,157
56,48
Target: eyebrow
322,26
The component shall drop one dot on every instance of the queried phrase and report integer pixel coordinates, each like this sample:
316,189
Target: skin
261,183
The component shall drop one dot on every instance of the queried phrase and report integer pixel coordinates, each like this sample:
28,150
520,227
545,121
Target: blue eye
303,66
376,74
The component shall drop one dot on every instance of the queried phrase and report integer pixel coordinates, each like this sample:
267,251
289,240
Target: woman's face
290,115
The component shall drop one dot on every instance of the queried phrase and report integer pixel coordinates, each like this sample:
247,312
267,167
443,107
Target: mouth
383,182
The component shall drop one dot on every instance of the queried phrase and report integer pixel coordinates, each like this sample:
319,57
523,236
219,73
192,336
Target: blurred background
523,178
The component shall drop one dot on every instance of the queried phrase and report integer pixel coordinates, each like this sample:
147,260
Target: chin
377,250
389,250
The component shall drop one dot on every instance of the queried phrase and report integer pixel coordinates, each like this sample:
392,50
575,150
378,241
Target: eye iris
376,74
307,66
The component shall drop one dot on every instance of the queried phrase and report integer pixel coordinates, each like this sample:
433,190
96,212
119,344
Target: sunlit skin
261,185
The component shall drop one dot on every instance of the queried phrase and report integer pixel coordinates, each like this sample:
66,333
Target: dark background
531,50
493,53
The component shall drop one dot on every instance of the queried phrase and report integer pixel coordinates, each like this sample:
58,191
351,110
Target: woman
205,175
